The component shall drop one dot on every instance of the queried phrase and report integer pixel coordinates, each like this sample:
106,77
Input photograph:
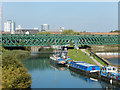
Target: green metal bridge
12,40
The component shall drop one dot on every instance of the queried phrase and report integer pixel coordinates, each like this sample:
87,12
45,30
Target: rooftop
85,64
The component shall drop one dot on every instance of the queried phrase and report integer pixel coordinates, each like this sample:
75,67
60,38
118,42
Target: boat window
102,68
114,68
109,68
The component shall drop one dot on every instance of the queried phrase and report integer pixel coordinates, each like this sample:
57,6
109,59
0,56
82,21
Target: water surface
115,61
45,75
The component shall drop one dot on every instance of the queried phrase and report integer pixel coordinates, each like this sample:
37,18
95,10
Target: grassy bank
78,55
14,74
98,59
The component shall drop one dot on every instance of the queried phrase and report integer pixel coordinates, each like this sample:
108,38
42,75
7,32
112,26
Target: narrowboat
56,59
68,60
110,74
85,68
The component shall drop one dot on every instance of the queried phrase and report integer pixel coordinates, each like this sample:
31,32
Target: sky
79,16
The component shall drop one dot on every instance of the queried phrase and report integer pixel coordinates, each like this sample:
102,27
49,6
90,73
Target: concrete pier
35,48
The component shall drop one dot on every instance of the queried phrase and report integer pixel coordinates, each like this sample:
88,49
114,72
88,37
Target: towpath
99,64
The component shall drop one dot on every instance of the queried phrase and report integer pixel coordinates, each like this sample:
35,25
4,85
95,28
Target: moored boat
56,59
110,74
85,68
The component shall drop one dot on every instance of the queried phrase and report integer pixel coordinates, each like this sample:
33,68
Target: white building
9,26
45,27
19,27
62,28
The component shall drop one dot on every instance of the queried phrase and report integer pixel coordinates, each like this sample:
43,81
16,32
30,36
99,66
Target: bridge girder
12,40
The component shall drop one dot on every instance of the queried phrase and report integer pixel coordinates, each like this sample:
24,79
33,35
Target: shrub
47,50
14,74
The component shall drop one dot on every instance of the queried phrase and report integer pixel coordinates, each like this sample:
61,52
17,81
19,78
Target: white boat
56,59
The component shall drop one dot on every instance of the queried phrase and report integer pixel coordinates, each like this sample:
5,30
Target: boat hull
86,73
107,79
56,62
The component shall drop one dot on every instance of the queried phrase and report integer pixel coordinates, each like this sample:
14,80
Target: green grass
80,56
99,60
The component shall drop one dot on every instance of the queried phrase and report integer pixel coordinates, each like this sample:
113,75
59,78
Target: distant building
20,30
54,30
19,27
62,28
45,27
26,31
9,26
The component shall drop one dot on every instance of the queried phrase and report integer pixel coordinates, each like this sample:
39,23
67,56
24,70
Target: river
45,75
114,60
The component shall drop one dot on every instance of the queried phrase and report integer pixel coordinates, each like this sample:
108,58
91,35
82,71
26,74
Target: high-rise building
45,27
9,26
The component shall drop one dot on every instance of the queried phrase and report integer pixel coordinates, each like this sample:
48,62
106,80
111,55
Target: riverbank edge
18,57
109,56
104,60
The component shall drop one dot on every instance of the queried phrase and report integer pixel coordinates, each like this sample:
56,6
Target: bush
43,32
46,50
14,74
68,32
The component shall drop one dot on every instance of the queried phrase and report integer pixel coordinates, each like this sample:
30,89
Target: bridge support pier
35,48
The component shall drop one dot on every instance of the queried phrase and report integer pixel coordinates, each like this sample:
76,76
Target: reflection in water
57,67
83,77
46,75
91,80
108,85
36,64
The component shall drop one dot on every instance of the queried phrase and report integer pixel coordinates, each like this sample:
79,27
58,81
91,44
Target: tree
115,31
68,32
43,32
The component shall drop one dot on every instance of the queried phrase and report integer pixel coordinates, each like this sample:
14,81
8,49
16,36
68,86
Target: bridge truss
12,40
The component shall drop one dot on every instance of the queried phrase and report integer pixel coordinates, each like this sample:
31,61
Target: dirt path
99,64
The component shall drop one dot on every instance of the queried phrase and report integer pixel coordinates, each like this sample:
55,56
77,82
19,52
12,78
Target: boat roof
61,59
78,62
68,59
110,67
86,64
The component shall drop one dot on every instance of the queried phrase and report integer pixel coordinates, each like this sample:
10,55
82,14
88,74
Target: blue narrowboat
84,68
68,60
110,74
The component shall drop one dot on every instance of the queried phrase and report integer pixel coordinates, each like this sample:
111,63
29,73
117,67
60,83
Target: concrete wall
35,48
108,53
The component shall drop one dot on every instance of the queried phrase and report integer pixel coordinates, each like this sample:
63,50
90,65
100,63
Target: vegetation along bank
14,74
